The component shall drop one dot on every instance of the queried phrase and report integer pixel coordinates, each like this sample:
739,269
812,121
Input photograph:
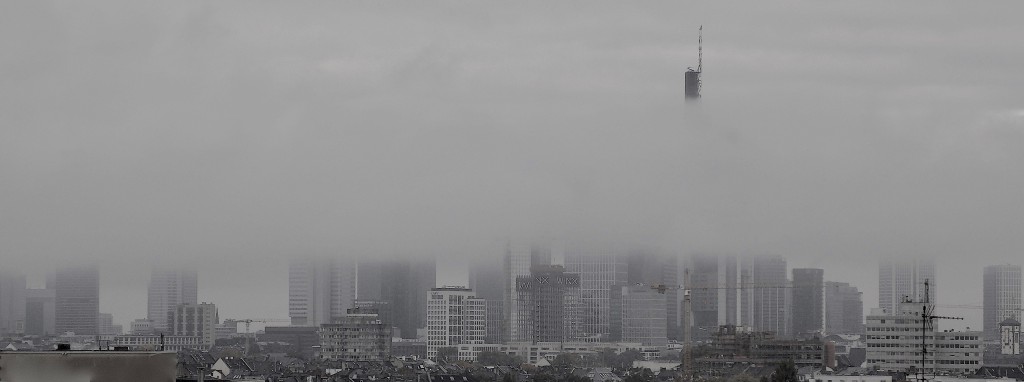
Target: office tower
654,269
1002,297
519,258
844,309
403,283
320,290
714,294
808,302
455,316
77,295
169,287
598,269
359,336
105,324
549,305
40,307
638,315
904,280
198,320
496,321
764,295
12,302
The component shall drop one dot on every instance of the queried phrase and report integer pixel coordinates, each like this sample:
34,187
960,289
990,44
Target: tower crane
249,334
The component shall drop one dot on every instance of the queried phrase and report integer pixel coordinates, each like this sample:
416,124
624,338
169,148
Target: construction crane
249,334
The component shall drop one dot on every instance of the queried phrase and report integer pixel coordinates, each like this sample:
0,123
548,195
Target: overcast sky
235,134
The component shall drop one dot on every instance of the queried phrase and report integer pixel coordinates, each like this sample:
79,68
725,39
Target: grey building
360,335
519,258
764,295
900,280
199,320
403,284
40,311
383,309
169,287
808,302
549,305
598,269
1001,297
844,309
714,294
320,290
638,315
12,302
77,300
650,268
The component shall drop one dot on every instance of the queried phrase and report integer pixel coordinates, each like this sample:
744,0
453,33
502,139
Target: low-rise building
894,343
195,320
535,352
159,343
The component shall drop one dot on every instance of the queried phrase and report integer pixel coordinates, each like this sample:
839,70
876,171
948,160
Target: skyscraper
844,309
549,305
1002,297
764,294
320,290
638,315
598,269
651,269
40,307
518,259
808,301
403,284
169,287
714,294
900,280
77,296
12,302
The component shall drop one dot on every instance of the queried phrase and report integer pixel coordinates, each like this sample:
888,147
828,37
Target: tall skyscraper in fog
808,301
713,296
764,294
77,300
12,302
549,305
651,268
599,269
402,283
904,279
844,309
519,258
320,290
169,287
1002,297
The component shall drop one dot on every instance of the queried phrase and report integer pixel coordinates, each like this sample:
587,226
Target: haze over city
234,136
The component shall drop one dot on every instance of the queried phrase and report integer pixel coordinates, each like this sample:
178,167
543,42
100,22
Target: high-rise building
77,296
714,294
1001,297
12,302
169,287
320,290
764,295
808,302
403,283
485,278
598,270
455,316
496,321
519,258
105,321
359,336
844,309
638,315
40,306
549,305
653,269
195,320
904,280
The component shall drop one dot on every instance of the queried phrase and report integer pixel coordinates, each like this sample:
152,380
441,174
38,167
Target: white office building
894,343
455,316
1001,297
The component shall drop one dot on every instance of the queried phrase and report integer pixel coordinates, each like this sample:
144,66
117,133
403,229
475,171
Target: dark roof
1009,321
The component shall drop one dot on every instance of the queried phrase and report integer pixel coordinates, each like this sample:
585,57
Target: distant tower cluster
693,76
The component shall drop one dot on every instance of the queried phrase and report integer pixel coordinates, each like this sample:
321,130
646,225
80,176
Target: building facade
358,336
894,343
169,287
808,302
902,280
77,300
655,268
1001,297
199,320
518,259
12,302
549,305
713,293
320,290
765,295
402,283
455,316
638,315
155,342
40,310
598,270
844,309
